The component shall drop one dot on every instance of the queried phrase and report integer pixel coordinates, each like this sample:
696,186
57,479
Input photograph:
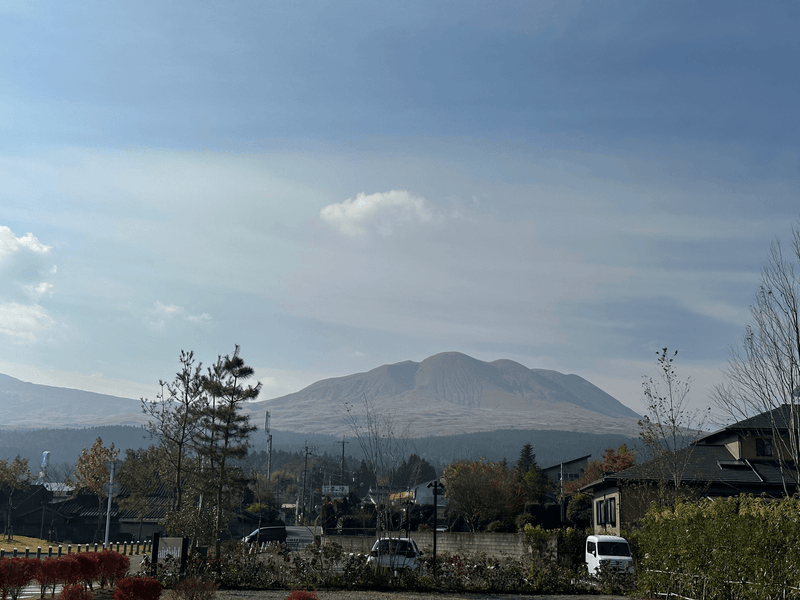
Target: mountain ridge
445,394
456,393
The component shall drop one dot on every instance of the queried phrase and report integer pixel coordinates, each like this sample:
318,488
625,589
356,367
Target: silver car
398,554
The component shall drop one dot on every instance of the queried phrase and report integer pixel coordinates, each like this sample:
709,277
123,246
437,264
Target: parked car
608,553
396,553
273,533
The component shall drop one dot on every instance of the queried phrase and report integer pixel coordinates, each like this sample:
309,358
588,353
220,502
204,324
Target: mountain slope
453,393
445,394
29,405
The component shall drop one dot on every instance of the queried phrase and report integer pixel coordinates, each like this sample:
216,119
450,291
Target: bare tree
175,421
763,373
91,474
383,447
14,476
669,426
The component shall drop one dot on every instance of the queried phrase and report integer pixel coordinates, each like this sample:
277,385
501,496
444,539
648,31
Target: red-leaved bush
112,566
88,567
75,592
302,595
194,588
15,574
67,569
137,588
47,576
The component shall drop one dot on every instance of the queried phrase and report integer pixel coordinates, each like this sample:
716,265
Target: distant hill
29,405
550,447
446,394
451,393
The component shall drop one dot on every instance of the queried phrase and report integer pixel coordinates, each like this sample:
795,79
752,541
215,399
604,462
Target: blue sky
336,186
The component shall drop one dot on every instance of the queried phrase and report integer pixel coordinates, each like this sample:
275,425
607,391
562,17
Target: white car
398,554
608,553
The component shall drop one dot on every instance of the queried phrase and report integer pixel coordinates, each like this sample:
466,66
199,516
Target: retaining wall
493,544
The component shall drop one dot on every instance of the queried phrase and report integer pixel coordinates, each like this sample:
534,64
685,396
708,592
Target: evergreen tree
225,430
526,459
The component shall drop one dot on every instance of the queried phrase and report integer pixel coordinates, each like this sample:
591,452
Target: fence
447,542
127,548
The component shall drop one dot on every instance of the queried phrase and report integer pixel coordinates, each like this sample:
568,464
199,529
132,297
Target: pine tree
225,430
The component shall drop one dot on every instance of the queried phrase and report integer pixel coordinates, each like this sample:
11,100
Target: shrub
112,566
302,595
15,574
496,527
75,592
48,576
137,588
88,568
67,570
194,588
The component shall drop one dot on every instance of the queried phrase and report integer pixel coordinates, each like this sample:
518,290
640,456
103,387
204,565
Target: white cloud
22,323
10,244
24,265
168,309
161,313
204,318
381,212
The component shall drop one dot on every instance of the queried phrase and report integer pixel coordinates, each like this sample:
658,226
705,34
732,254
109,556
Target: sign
170,547
410,495
335,491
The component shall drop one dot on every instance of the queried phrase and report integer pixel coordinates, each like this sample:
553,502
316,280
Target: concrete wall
493,544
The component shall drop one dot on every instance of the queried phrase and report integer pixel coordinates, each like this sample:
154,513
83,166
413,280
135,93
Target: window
607,512
764,447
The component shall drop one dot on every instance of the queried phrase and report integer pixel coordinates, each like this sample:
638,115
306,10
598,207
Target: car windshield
394,546
613,549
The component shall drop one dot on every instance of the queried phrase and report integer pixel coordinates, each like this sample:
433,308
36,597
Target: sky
335,186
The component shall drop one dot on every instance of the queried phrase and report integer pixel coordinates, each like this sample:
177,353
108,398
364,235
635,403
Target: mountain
446,394
450,393
29,405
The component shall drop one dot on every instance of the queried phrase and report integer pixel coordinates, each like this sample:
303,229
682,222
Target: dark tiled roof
715,467
778,418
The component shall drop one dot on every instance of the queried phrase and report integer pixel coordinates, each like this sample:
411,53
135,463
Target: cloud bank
382,212
24,267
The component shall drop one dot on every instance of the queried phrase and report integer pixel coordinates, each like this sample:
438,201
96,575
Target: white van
608,553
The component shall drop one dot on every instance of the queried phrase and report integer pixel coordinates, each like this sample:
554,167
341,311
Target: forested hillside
550,447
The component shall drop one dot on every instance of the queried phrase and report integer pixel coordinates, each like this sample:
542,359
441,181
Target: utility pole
269,445
561,496
343,442
436,485
305,475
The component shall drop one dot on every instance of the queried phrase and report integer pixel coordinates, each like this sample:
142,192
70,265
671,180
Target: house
747,457
570,470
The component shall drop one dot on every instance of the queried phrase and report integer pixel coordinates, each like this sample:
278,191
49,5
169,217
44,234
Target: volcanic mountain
447,394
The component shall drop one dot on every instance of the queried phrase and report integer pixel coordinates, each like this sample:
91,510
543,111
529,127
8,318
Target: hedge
733,548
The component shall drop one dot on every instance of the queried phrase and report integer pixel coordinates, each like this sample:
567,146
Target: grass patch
20,542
